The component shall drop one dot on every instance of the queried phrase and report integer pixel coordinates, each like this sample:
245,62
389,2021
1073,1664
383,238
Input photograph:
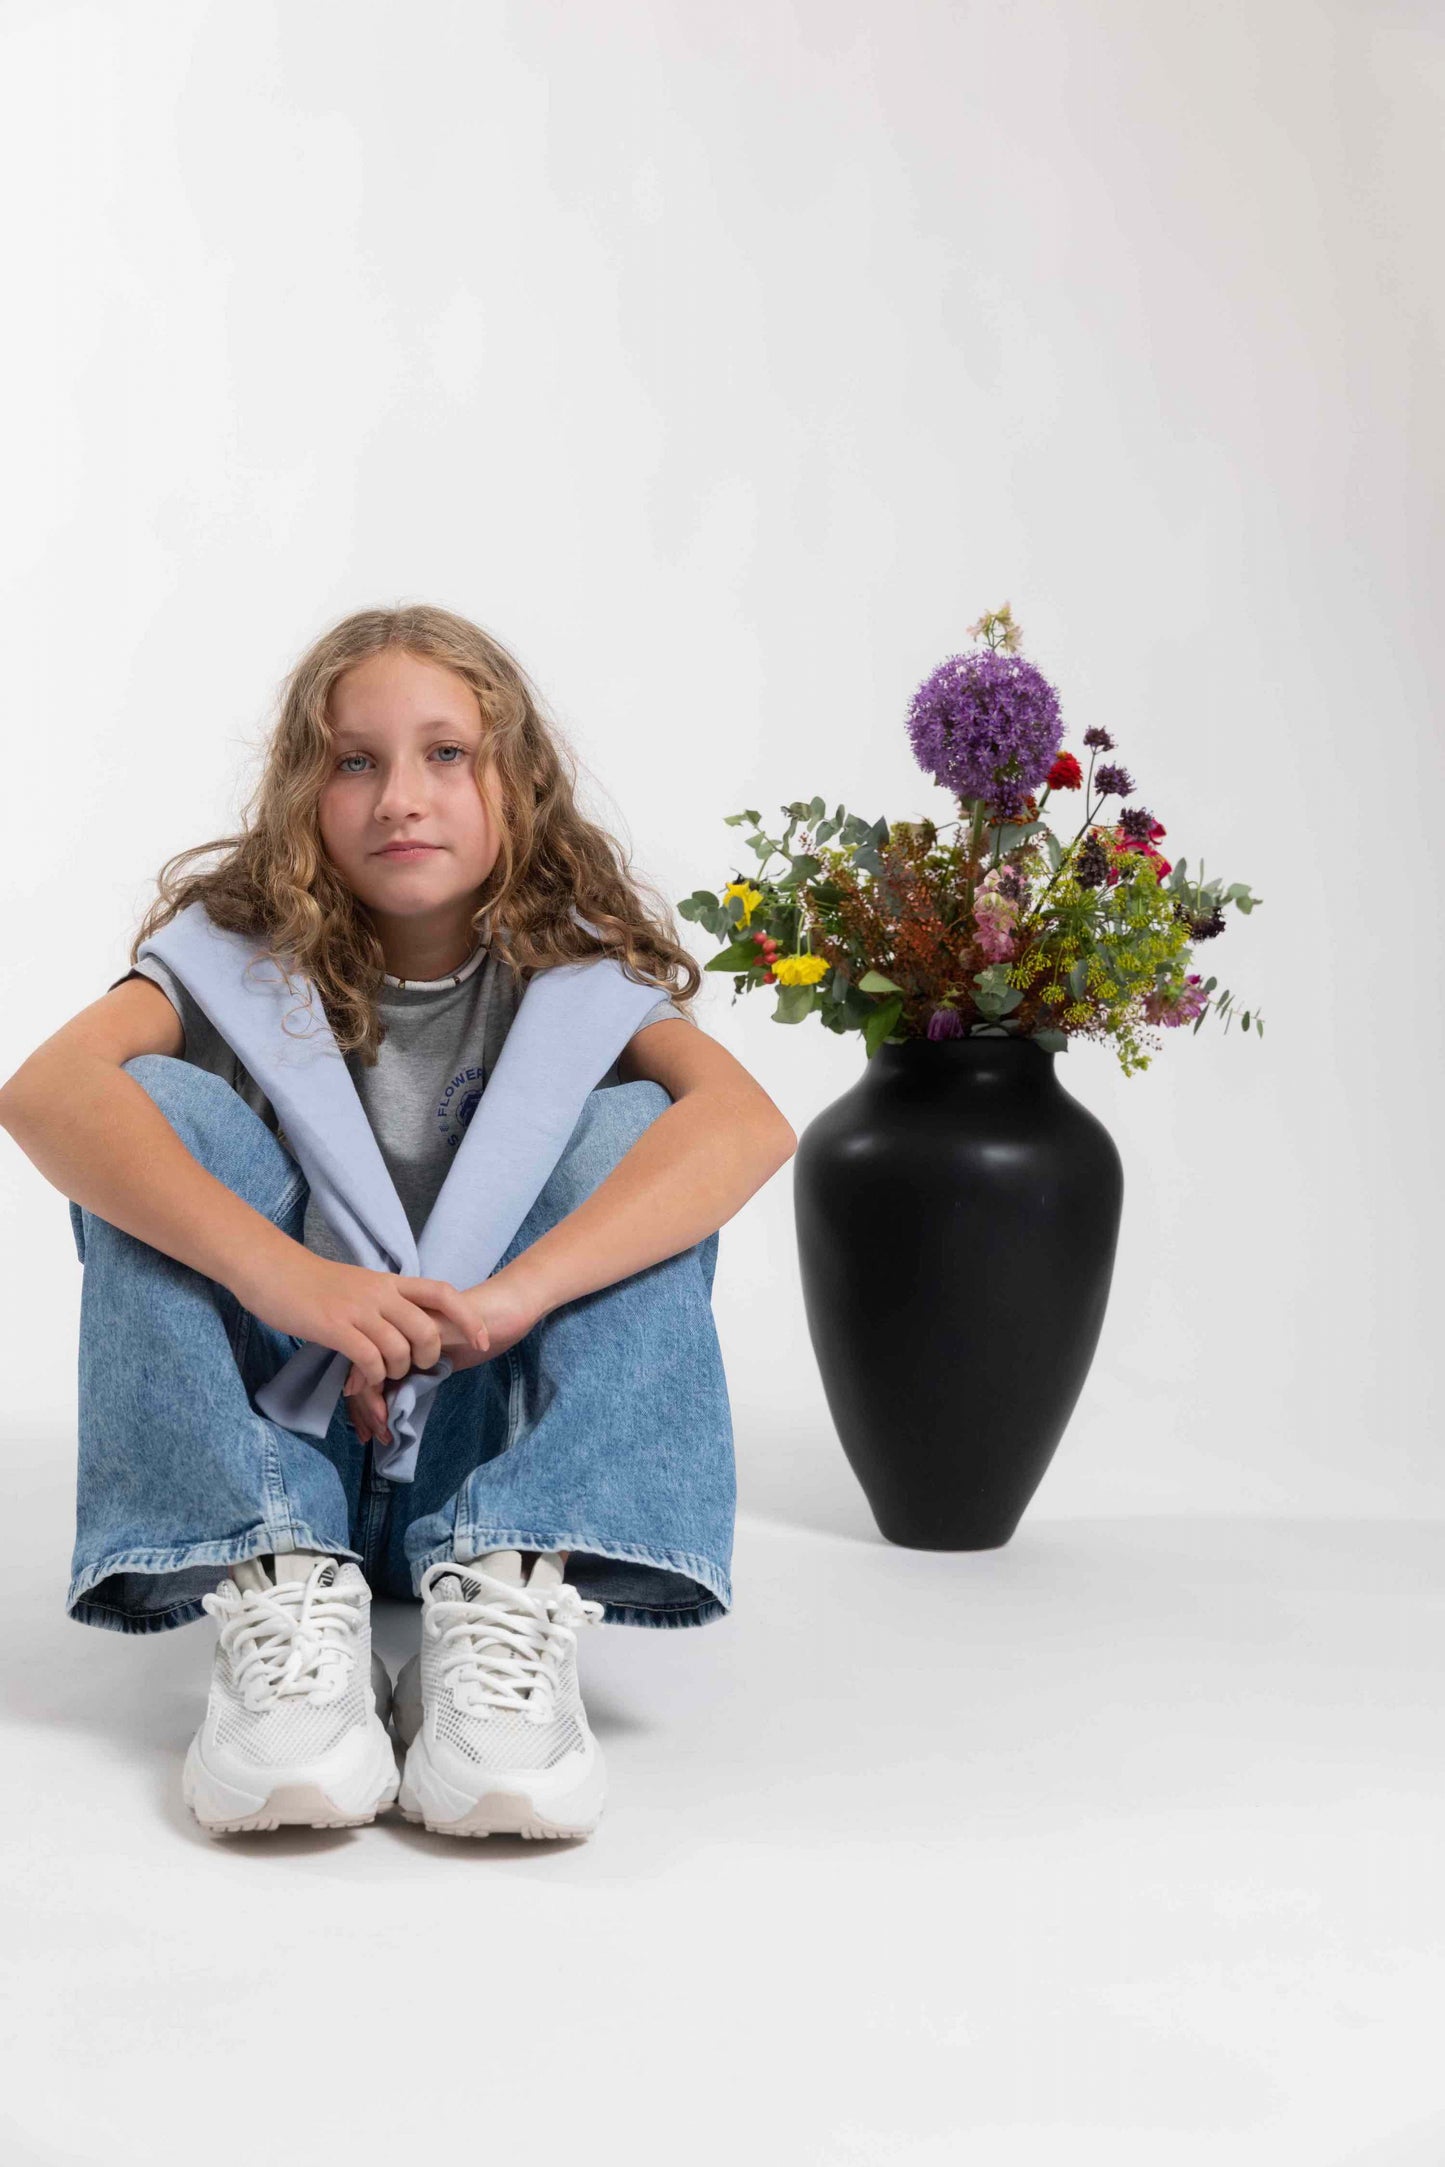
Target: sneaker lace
292,1641
506,1653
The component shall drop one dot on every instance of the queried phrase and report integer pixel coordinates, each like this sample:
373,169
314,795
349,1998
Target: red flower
1161,865
1065,774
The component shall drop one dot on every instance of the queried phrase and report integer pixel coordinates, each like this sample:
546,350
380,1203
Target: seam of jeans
292,1195
630,1614
273,1475
184,1557
705,1571
515,1396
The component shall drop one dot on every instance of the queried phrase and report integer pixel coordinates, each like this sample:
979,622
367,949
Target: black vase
957,1214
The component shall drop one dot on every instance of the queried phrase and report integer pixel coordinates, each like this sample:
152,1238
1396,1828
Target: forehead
398,694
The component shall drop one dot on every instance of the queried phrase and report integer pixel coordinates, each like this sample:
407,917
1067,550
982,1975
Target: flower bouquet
957,1208
990,924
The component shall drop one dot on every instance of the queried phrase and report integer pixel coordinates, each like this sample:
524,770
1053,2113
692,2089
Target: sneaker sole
223,1810
500,1813
425,1799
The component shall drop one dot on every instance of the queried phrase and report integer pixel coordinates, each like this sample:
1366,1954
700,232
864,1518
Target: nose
402,791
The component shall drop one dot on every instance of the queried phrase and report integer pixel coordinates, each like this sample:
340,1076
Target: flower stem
1027,924
976,830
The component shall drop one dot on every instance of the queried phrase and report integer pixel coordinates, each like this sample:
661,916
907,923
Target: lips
406,850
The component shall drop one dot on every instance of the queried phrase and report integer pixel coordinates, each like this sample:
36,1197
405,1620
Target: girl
412,858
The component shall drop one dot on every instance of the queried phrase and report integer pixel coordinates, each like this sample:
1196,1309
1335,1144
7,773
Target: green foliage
1097,959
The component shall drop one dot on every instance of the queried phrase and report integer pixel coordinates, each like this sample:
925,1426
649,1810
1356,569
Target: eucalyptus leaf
875,982
794,1002
880,1023
1009,838
741,956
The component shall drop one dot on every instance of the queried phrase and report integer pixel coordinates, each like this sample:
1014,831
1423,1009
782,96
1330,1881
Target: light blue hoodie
572,1023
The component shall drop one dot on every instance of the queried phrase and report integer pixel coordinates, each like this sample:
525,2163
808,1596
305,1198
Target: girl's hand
387,1323
501,1313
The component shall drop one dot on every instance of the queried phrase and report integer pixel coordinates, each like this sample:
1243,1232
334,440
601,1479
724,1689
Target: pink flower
996,916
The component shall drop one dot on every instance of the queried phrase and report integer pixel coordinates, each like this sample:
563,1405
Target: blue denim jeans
606,1431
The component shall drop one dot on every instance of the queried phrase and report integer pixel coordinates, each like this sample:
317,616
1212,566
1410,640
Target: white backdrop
726,363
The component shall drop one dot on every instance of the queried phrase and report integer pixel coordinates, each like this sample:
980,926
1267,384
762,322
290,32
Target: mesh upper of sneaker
499,1669
292,1672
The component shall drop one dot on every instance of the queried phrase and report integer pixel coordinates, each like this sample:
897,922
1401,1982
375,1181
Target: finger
440,1294
395,1348
456,1322
422,1333
358,1403
427,1331
365,1356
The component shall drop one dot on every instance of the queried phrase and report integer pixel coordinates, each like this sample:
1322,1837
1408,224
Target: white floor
1120,1845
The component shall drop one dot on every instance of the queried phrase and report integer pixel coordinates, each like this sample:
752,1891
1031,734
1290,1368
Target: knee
636,1105
213,1121
611,1122
170,1081
617,1116
195,1101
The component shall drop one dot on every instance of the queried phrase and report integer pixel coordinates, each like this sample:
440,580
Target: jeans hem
182,1557
712,1577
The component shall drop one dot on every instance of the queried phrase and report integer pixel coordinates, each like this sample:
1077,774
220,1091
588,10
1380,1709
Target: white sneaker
490,1711
295,1726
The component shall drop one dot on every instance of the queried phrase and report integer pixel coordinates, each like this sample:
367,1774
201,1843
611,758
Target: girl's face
406,733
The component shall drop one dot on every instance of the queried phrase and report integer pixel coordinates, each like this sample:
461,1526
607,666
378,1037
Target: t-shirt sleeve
661,1011
202,1044
160,974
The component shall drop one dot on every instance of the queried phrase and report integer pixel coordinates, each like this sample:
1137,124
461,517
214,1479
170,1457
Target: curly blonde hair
561,890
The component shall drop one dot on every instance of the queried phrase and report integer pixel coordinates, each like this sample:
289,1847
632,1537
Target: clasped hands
491,1317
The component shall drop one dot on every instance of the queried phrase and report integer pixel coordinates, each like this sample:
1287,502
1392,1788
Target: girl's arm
690,1171
100,1139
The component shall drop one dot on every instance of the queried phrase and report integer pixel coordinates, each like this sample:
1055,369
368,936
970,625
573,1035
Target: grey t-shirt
442,1041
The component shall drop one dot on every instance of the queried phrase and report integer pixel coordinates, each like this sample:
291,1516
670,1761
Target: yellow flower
751,897
800,970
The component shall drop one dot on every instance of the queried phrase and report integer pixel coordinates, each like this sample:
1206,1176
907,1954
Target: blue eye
342,767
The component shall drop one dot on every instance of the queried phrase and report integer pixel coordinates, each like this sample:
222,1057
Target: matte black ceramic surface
957,1214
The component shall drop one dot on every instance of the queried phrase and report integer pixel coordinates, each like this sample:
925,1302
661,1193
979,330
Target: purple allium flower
978,714
1136,824
1113,782
1098,740
945,1023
